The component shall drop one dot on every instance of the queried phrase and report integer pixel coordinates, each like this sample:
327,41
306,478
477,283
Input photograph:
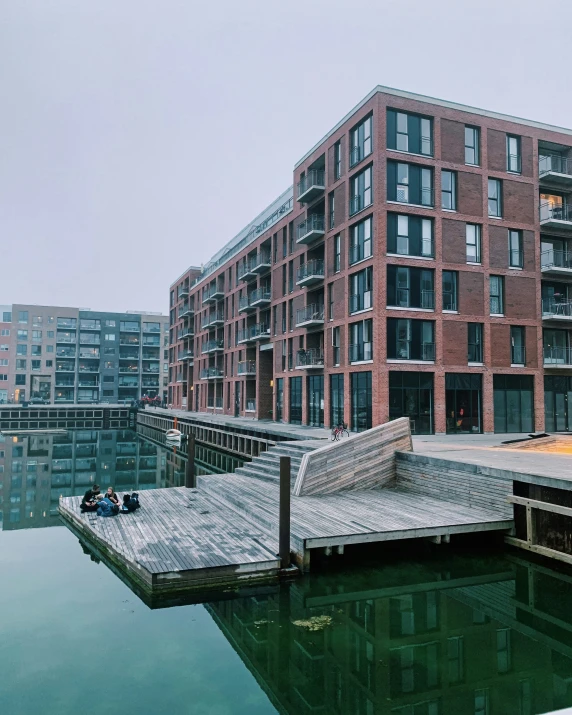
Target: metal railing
211,373
312,357
360,301
65,352
314,177
247,367
131,369
262,258
212,346
65,323
185,310
423,198
315,222
555,163
449,300
360,352
65,368
404,351
550,212
553,306
557,356
89,368
260,294
314,267
183,291
260,330
518,355
426,299
553,258
475,352
313,312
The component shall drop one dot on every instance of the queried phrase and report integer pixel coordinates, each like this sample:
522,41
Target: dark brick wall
518,202
454,343
471,293
453,241
500,345
520,297
452,141
470,188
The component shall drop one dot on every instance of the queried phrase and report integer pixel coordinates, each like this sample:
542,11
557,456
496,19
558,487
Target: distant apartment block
420,265
69,355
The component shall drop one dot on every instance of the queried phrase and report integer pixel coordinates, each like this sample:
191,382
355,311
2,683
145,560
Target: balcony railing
183,292
311,228
556,308
255,264
424,198
66,323
549,212
404,351
69,339
247,367
64,368
310,315
556,259
211,373
185,310
557,356
131,369
212,346
311,271
259,331
65,352
89,368
212,293
475,352
311,185
518,355
554,163
260,296
403,296
360,352
311,358
186,355
449,300
129,341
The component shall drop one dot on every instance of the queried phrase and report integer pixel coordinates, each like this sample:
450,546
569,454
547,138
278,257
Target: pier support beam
284,522
190,472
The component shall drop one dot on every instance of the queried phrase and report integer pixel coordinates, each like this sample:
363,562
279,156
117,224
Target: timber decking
179,538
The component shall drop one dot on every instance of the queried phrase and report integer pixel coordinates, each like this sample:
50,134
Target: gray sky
138,136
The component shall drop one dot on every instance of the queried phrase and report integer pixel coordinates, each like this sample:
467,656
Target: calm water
452,633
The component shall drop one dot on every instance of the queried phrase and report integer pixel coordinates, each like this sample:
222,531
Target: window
21,349
450,290
4,348
332,212
409,132
475,343
410,287
361,341
290,276
495,198
409,235
36,364
23,316
20,379
3,378
361,193
295,400
330,301
110,324
361,290
361,401
5,332
410,339
360,141
473,242
51,334
336,345
337,253
409,184
503,647
108,393
110,351
36,350
515,252
497,295
49,363
360,241
110,337
109,378
22,334
513,154
109,365
3,362
36,334
517,345
455,659
449,190
20,364
472,146
6,316
337,160
336,400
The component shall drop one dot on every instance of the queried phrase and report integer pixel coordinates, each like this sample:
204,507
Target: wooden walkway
178,539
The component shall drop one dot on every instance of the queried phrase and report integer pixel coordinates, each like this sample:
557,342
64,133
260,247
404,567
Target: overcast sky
138,136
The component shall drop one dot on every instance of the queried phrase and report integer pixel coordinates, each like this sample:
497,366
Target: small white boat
173,434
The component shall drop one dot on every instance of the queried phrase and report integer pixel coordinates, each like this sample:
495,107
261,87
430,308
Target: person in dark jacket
130,502
112,496
105,507
89,501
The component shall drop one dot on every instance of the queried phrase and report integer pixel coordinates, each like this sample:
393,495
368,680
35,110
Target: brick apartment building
419,266
70,355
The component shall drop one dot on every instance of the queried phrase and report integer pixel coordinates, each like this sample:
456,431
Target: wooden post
190,475
284,521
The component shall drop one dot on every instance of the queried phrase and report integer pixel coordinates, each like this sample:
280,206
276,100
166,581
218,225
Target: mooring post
190,475
284,526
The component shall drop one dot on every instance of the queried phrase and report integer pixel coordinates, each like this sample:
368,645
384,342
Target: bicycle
338,432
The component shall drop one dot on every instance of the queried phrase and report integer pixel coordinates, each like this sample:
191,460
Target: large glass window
475,343
495,198
463,395
336,400
513,403
450,289
361,284
296,400
336,345
472,146
361,141
361,341
517,345
409,132
316,400
361,401
409,339
337,160
411,395
449,190
410,287
473,242
409,235
361,192
513,154
515,251
497,295
279,398
360,240
558,403
409,184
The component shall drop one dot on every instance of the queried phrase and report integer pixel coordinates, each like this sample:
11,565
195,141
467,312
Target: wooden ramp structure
225,532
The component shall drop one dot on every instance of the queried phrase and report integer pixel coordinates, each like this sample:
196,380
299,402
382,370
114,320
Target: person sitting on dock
105,507
112,496
89,501
130,502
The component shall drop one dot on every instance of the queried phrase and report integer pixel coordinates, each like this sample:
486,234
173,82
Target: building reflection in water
35,470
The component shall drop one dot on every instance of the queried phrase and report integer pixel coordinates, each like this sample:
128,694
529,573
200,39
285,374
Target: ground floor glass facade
463,400
411,395
361,401
513,403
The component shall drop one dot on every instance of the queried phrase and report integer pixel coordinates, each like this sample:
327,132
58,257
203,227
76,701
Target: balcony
180,378
129,341
310,272
559,216
310,316
557,357
260,297
187,355
149,371
556,263
129,327
60,382
216,318
258,263
66,339
88,354
260,331
212,346
311,229
361,352
130,370
244,305
67,323
212,294
311,186
312,359
84,383
90,325
187,332
89,368
132,385
212,373
186,311
130,356
65,352
557,310
183,292
247,368
555,170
